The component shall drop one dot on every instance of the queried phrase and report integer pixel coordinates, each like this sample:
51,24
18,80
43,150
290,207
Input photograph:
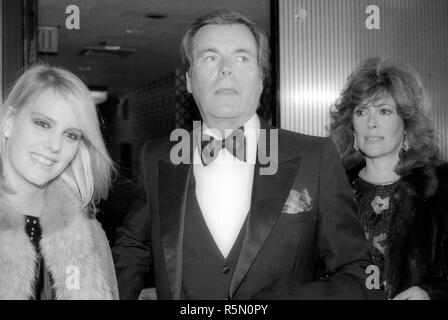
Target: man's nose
226,67
53,143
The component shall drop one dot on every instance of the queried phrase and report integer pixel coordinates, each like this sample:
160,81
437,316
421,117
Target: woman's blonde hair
90,173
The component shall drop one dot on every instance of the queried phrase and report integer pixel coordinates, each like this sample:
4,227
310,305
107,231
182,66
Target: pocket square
297,202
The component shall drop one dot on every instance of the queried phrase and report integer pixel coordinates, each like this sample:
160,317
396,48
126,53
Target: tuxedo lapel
269,194
173,183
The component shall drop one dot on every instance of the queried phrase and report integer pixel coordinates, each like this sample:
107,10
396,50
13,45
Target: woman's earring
355,143
406,145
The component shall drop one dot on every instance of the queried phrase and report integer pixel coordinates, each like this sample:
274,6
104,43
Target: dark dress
406,224
375,211
42,287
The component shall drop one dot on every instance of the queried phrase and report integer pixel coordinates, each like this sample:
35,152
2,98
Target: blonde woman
54,168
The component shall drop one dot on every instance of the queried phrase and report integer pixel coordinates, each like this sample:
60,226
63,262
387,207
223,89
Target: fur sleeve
104,251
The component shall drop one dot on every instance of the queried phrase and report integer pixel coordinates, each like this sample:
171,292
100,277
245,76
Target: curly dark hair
377,77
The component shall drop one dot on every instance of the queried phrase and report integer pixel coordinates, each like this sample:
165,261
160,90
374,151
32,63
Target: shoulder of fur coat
73,245
417,228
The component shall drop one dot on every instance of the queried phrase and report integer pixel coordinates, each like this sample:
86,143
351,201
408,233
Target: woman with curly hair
382,129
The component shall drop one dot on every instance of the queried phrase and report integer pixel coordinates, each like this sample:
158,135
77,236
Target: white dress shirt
224,187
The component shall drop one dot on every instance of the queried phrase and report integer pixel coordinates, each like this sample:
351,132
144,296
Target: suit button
225,269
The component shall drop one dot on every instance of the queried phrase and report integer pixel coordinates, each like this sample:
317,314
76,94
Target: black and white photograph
209,151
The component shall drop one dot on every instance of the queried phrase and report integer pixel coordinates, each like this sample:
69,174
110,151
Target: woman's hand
413,293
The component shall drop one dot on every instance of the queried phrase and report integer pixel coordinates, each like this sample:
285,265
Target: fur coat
70,237
417,246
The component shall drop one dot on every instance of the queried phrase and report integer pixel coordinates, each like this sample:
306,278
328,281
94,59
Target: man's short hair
226,17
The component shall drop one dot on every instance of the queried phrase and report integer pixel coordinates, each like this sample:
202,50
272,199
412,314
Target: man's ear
8,123
188,77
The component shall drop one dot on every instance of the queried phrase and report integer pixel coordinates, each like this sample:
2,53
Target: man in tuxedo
220,223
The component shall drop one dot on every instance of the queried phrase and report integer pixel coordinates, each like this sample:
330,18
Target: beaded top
375,211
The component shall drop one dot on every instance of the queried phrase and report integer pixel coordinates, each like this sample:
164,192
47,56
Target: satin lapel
173,182
269,194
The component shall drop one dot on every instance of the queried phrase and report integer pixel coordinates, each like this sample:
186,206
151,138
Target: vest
206,274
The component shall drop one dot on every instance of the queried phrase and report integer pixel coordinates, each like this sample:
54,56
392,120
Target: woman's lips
41,160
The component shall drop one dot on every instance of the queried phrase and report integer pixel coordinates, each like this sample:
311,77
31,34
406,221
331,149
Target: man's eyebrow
243,51
214,50
202,51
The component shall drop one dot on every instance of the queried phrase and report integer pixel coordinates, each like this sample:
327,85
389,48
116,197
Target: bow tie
235,143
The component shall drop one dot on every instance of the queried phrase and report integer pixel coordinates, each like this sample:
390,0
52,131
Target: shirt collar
252,124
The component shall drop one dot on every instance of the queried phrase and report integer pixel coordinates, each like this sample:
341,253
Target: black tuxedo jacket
318,253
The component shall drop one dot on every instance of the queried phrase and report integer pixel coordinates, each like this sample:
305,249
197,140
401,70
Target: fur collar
413,255
69,238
